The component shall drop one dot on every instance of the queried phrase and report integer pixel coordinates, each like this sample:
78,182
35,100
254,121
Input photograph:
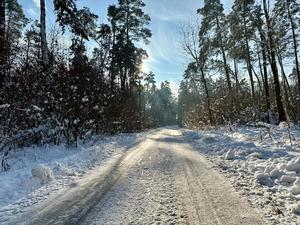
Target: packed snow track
162,180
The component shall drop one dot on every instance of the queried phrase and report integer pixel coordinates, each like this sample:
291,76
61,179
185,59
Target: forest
51,92
149,112
244,65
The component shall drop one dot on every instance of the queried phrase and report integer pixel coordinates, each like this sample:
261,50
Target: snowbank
260,162
36,173
296,187
230,155
294,165
43,173
263,178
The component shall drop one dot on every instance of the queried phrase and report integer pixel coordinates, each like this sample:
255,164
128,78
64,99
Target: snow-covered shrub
250,114
43,173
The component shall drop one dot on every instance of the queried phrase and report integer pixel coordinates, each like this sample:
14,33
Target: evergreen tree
45,56
289,13
273,62
242,31
129,25
214,22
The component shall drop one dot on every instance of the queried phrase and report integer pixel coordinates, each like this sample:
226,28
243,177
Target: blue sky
166,58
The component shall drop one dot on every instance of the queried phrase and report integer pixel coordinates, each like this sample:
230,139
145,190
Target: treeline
53,91
245,65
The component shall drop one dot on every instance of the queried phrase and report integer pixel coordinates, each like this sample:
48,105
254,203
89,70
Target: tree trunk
112,64
45,56
265,75
2,41
248,58
236,75
207,96
295,46
257,78
2,17
286,86
280,108
284,77
260,67
224,59
27,57
123,80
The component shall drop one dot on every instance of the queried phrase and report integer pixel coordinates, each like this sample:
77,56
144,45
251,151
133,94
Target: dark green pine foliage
289,23
215,24
129,24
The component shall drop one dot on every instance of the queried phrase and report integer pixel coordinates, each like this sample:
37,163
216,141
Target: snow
262,162
43,173
295,208
230,155
171,184
263,178
294,165
287,180
4,106
295,190
148,195
38,172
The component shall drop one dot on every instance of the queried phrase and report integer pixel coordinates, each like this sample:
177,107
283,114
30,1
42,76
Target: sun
143,67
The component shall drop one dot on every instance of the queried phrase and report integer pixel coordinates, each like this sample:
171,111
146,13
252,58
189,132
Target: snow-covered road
160,181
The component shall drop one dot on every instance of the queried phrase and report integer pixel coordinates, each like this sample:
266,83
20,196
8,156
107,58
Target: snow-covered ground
262,164
39,172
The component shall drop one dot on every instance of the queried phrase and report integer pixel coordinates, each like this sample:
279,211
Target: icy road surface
160,181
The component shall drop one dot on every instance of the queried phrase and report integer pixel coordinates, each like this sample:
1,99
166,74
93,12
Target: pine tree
130,21
214,21
242,31
273,62
2,45
289,13
258,24
45,56
12,21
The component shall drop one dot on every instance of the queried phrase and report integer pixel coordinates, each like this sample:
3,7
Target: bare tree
196,45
